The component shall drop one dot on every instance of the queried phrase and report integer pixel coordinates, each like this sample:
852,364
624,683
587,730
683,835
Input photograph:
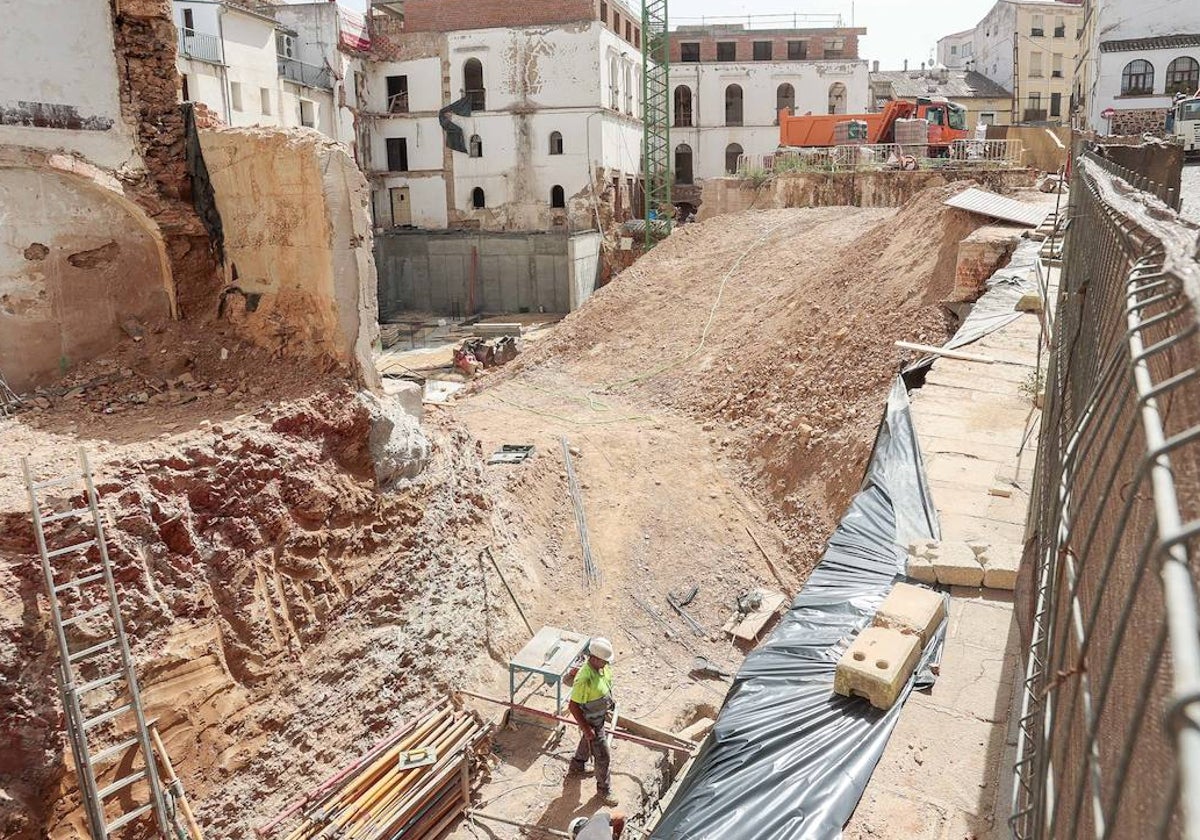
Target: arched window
683,164
732,152
557,199
837,98
733,105
478,199
1183,76
614,84
556,143
1137,79
475,146
473,84
628,88
785,97
683,107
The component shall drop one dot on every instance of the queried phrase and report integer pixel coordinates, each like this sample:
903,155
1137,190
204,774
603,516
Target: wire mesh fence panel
1108,739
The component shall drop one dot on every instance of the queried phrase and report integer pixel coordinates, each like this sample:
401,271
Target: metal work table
548,654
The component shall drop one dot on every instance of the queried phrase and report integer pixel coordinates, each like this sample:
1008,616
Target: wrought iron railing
201,46
308,75
1109,725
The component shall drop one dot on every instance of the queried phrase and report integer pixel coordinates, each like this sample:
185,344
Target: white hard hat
601,648
576,825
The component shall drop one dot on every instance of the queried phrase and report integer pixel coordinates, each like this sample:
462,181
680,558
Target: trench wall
831,189
462,273
299,273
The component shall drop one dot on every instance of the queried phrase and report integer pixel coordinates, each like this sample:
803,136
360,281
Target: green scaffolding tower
656,121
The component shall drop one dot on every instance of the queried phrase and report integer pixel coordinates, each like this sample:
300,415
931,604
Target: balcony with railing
309,75
200,46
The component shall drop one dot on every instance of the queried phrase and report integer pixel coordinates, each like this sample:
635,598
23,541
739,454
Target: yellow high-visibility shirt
591,684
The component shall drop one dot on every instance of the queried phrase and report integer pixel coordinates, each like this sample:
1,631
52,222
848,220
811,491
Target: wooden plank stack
380,801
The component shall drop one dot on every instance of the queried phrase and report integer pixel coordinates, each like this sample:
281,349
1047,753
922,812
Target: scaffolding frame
656,121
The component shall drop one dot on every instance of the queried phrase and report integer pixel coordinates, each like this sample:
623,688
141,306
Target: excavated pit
286,611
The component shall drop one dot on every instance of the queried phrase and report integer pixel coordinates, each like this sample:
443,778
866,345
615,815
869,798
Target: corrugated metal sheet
989,204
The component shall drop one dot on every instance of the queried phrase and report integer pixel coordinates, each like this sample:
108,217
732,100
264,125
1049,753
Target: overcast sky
896,29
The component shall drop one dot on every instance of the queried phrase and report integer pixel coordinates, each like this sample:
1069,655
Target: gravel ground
1191,191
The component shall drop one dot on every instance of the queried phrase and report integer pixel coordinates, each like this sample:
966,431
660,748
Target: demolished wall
300,276
79,262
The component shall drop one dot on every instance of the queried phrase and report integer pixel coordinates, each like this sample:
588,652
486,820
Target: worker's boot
576,770
607,797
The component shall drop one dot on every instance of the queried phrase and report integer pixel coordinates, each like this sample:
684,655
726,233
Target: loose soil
286,613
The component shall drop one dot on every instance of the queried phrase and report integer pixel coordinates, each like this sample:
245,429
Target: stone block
1000,565
877,665
912,609
1030,302
955,564
921,548
921,569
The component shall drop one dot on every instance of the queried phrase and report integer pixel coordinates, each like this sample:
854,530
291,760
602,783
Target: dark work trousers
597,749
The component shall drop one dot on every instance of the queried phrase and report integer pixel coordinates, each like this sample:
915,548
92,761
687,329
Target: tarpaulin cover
203,197
456,140
788,758
997,307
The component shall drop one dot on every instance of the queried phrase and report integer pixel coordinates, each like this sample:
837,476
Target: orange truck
947,123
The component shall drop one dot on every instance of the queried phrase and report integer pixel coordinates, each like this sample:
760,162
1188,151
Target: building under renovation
863,507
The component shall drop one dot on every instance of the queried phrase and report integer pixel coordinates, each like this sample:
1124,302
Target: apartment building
956,51
986,102
246,66
1028,47
1133,60
729,83
550,115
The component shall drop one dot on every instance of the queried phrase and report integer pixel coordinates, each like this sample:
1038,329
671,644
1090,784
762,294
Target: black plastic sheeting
203,198
788,758
456,140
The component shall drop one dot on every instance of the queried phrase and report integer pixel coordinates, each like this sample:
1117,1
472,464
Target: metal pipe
624,736
472,814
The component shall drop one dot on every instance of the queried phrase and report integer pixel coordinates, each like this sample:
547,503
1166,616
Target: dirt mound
775,330
271,593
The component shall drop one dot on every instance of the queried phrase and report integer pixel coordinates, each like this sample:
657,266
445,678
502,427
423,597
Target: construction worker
591,701
603,826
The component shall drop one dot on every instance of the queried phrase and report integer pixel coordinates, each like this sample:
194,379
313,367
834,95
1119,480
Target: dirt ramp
775,330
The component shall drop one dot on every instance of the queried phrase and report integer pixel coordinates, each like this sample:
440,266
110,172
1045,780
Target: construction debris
746,626
511,453
386,796
987,203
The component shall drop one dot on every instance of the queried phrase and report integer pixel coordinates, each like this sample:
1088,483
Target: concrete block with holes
912,609
877,666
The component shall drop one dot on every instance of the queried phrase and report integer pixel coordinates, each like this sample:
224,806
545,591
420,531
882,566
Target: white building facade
1135,58
729,85
247,68
554,130
1029,47
957,51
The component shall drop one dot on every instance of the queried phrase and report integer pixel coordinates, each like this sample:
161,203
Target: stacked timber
384,797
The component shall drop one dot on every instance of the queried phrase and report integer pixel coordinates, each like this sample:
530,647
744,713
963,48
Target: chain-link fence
1109,733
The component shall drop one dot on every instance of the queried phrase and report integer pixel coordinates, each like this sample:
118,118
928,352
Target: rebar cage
1108,739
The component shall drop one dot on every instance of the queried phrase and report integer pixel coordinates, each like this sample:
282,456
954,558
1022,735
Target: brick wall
814,39
1139,121
454,15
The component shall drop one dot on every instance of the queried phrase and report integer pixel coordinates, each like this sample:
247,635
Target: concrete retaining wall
464,272
831,189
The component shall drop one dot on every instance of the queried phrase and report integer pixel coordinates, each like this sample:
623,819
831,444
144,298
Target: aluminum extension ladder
90,582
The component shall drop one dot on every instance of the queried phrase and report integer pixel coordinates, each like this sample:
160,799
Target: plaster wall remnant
300,275
78,258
